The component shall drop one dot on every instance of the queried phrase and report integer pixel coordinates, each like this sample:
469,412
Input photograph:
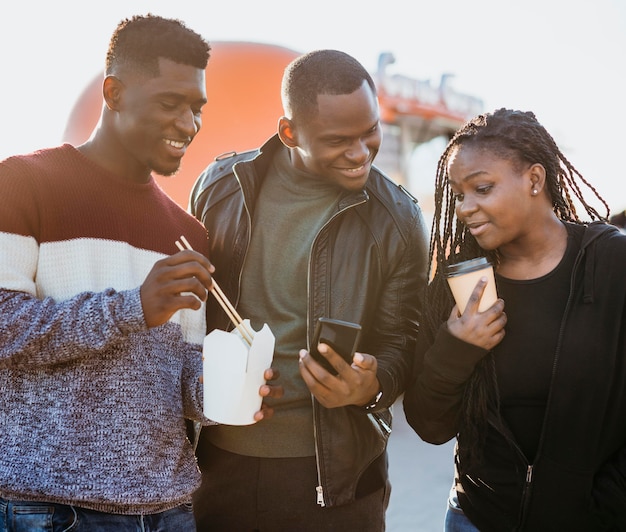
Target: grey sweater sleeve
41,332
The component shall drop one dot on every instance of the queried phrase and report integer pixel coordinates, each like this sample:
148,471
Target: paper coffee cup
464,276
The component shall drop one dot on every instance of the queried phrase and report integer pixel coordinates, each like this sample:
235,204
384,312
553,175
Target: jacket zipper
320,481
319,489
381,422
320,484
320,496
249,235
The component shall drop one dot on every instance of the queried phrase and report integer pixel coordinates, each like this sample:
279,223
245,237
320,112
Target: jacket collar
264,156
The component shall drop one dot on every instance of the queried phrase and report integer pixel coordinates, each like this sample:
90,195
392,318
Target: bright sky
563,59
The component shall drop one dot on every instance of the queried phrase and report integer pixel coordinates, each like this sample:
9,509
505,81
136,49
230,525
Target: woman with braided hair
536,397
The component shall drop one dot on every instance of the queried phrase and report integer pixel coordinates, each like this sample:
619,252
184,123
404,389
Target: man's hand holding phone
341,336
334,373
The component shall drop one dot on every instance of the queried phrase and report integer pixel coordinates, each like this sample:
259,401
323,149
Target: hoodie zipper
526,493
528,479
525,503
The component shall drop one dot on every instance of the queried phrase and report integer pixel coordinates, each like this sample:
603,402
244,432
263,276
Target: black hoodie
578,479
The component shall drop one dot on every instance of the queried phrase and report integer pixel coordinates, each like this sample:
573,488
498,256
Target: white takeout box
233,374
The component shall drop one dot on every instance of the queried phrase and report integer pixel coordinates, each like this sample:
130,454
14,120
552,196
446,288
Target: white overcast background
563,59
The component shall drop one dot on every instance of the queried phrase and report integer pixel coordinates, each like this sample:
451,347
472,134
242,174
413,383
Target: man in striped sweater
101,318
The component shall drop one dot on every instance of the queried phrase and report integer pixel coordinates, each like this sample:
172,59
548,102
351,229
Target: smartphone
341,336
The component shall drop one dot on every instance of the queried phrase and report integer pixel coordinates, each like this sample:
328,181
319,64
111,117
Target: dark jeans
27,516
246,494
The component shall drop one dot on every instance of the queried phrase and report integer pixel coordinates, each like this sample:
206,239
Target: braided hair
519,137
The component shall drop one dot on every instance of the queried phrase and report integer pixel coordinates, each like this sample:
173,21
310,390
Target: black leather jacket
375,251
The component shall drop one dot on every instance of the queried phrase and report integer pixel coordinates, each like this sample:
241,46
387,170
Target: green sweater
292,207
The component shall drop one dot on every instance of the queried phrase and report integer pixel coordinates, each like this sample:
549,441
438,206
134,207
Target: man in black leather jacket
302,228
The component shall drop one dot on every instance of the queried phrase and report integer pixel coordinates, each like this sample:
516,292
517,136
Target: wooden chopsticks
223,301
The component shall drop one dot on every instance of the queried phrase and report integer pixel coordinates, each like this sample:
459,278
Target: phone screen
341,336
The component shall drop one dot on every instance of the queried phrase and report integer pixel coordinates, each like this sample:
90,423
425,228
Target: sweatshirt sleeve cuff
129,315
452,358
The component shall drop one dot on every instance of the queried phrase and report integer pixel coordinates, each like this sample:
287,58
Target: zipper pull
529,474
320,496
381,422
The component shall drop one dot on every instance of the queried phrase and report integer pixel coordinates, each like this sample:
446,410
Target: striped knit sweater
92,402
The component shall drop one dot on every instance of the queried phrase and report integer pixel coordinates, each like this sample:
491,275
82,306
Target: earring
534,191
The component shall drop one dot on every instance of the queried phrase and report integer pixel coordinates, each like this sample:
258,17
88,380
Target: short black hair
320,72
138,42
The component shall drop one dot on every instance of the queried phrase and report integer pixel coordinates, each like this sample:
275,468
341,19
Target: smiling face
157,117
340,141
494,196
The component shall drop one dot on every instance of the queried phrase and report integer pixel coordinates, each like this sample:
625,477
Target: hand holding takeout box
234,364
